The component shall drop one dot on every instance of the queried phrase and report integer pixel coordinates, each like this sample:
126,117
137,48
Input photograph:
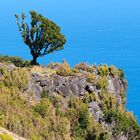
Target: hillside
6,135
56,102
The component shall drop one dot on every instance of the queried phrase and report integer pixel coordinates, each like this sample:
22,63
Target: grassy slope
49,118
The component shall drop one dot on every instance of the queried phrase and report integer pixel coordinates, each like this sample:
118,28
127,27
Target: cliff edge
57,102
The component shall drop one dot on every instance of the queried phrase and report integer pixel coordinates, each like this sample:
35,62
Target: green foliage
17,61
42,36
125,83
103,70
88,98
14,78
56,117
107,70
121,74
124,122
81,66
5,137
64,70
123,96
41,121
43,108
84,67
33,120
112,70
91,78
102,83
107,101
83,125
44,94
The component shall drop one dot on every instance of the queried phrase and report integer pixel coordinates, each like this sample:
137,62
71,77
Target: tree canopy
42,35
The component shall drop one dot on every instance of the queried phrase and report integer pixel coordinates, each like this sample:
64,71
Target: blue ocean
97,32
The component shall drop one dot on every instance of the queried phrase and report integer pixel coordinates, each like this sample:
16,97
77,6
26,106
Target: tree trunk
34,61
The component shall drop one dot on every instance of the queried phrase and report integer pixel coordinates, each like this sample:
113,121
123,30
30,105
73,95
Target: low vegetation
64,70
6,137
17,61
55,117
123,122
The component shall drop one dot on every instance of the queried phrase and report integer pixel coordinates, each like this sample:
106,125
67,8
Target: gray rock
122,137
74,89
64,91
114,86
37,91
71,85
36,77
43,83
8,67
11,66
77,85
90,88
95,110
94,106
58,80
46,82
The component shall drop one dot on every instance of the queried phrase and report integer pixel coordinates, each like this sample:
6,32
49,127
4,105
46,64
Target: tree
42,36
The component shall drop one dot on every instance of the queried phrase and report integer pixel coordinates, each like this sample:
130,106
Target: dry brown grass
42,70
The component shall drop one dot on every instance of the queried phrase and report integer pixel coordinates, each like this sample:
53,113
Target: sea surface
97,32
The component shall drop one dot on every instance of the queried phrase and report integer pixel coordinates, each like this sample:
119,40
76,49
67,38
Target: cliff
57,102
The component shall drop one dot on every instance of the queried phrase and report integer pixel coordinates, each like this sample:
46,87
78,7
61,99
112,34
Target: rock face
65,86
95,110
70,85
77,85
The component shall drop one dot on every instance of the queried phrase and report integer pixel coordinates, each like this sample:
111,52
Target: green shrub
102,83
5,137
79,116
88,98
81,66
121,74
17,61
107,101
125,83
83,125
123,97
43,108
56,117
91,78
17,78
103,70
64,70
44,94
75,71
85,67
123,123
112,70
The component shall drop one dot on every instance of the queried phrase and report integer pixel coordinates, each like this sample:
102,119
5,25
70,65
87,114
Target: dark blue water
97,32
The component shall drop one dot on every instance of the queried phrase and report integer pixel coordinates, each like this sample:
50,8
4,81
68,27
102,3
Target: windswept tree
42,36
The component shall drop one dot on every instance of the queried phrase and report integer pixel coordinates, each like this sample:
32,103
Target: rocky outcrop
79,84
95,110
70,85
